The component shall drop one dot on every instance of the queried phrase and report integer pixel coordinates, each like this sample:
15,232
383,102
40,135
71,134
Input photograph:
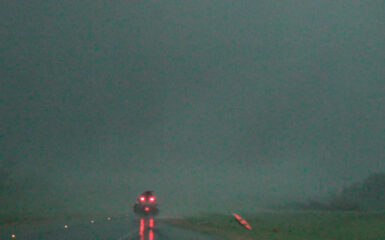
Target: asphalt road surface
122,228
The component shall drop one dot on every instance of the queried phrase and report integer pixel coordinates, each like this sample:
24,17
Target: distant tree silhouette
373,191
348,199
370,195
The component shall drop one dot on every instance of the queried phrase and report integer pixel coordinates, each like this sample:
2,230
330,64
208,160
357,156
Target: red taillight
142,199
152,199
146,209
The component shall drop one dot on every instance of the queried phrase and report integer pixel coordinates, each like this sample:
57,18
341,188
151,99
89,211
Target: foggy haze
208,103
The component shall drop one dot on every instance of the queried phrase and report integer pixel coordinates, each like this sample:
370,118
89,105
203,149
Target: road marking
130,234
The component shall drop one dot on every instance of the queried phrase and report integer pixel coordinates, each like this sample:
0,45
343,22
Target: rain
216,106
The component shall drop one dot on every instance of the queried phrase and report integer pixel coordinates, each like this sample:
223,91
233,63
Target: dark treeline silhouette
368,195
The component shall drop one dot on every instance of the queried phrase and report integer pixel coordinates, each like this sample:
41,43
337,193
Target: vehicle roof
148,193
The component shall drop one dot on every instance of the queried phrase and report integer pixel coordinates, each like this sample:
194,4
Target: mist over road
250,102
122,228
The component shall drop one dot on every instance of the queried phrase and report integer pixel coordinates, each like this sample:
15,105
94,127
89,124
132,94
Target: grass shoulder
291,225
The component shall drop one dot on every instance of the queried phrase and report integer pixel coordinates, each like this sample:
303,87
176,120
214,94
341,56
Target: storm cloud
208,103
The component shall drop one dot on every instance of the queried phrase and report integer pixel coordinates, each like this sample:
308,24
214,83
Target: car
146,205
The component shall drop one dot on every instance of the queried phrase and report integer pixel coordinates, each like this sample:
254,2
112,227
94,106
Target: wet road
122,228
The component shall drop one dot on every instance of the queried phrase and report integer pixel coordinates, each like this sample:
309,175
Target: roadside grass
18,218
28,218
291,225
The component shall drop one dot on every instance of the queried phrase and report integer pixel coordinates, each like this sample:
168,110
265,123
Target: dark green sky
242,98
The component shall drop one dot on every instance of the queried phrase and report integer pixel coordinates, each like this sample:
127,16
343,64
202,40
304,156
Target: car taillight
152,199
142,199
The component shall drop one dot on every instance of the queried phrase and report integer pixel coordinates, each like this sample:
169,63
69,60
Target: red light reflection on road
151,222
143,231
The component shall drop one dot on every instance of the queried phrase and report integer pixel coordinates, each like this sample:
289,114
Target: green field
291,225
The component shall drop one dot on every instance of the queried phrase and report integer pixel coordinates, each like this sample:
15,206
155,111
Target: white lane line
130,234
